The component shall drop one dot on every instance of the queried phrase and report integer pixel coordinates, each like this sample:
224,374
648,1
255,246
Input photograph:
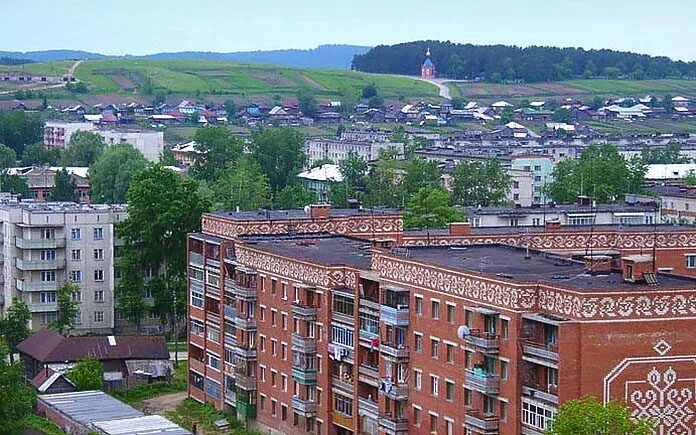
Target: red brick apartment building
298,330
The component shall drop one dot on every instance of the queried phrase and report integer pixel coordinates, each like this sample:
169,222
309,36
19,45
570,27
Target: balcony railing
394,350
304,375
545,354
246,353
304,407
393,425
480,422
230,396
486,342
396,316
240,291
40,264
230,339
245,382
368,374
25,286
486,383
302,311
538,393
42,307
304,344
40,243
230,312
196,258
343,383
368,407
246,323
393,390
373,305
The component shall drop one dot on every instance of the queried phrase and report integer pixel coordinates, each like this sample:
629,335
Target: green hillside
206,77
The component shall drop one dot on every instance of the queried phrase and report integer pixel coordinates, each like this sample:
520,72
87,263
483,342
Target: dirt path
71,72
161,404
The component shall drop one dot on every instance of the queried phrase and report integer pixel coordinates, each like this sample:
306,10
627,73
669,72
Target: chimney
634,267
552,225
320,211
459,229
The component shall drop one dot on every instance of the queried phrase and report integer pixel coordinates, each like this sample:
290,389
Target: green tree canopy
14,328
306,102
588,416
293,196
14,184
430,208
420,173
353,169
87,374
480,183
8,157
16,396
562,115
280,154
369,91
65,188
19,128
242,186
167,158
111,174
84,148
323,161
382,189
129,289
669,154
217,149
67,308
600,172
38,154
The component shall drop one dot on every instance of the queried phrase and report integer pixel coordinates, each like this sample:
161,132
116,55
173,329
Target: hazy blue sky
664,27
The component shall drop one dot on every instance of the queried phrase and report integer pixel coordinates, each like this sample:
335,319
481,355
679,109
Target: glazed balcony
396,316
481,381
241,291
304,311
486,342
25,286
304,344
245,382
304,376
245,323
481,423
538,353
368,407
245,353
304,407
230,312
393,425
42,307
195,258
394,350
549,395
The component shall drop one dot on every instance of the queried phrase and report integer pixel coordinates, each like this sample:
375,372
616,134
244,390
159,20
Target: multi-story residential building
41,180
338,149
677,202
300,332
541,166
150,143
522,187
46,244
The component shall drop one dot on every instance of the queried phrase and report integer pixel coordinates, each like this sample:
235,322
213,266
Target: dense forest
13,61
501,63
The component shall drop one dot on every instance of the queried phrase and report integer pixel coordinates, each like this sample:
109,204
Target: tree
430,208
14,327
167,158
600,172
322,161
129,289
562,115
65,188
19,128
375,102
242,186
369,91
420,173
280,154
217,149
306,102
338,194
88,374
382,189
16,396
690,179
162,209
348,99
670,154
480,183
111,175
8,157
588,416
38,154
230,108
84,148
14,184
293,196
67,308
147,86
353,169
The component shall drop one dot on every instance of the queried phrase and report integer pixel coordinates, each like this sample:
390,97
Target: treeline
12,61
502,63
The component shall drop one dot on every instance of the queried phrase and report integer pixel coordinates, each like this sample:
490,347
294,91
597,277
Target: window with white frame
537,415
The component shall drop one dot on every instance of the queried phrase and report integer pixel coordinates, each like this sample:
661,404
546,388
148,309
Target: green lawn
205,415
36,422
57,68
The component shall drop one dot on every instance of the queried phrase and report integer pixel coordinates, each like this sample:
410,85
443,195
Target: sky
657,27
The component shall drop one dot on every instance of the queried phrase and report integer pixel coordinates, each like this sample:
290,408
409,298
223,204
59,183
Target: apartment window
552,377
274,286
274,317
99,233
343,404
99,296
274,346
262,314
76,275
691,261
450,313
449,426
274,377
514,222
434,385
48,276
536,221
469,317
196,298
274,407
504,370
284,382
284,289
343,304
47,255
197,327
99,275
418,341
468,397
450,353
488,405
503,411
537,415
76,297
75,234
48,234
213,334
537,167
147,293
284,351
47,297
262,402
47,318
419,305
284,412
504,329
433,423
98,254
284,321
434,348
213,361
98,316
78,317
416,416
449,390
435,310
75,254
369,323
417,379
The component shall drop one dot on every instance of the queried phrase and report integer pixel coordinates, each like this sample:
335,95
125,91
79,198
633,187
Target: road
73,68
71,71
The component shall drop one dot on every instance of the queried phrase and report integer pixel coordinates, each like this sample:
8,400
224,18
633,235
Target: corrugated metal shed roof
148,424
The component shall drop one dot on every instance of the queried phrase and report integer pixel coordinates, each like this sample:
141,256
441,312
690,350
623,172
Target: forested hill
501,63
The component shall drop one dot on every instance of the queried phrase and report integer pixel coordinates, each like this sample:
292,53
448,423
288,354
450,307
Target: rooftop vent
112,340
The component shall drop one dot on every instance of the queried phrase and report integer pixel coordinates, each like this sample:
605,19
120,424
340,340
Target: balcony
246,353
196,259
304,376
344,384
537,393
39,243
245,410
537,353
230,339
393,390
481,423
304,407
301,311
368,374
196,365
393,425
396,316
245,323
372,305
368,408
212,262
398,351
40,264
212,316
42,307
345,421
486,383
368,336
230,312
25,286
245,382
230,396
242,292
485,342
304,344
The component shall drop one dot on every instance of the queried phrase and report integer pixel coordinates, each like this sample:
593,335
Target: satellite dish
463,331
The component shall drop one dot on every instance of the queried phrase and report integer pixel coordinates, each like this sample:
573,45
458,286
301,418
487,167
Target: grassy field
204,416
647,126
57,68
35,422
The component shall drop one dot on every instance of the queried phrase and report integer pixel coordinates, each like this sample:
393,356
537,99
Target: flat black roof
483,231
510,264
298,214
320,249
